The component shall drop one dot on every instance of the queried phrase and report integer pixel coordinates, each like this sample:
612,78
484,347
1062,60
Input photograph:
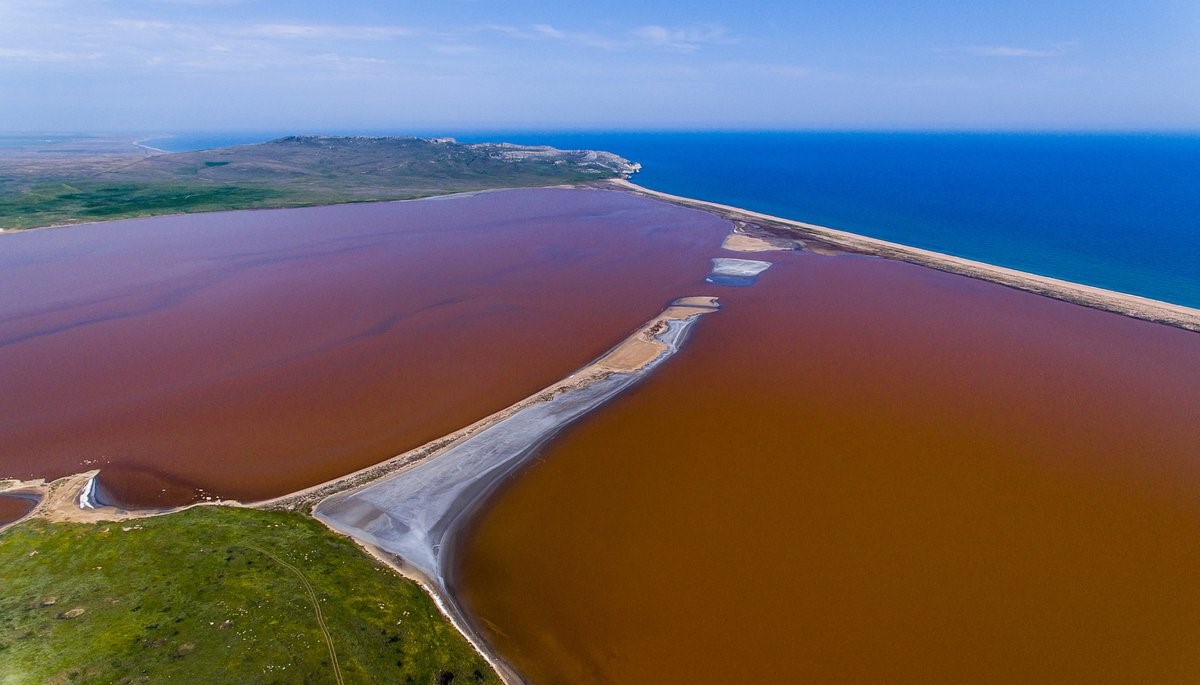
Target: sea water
1116,211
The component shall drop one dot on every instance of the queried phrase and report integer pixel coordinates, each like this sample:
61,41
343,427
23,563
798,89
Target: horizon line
423,131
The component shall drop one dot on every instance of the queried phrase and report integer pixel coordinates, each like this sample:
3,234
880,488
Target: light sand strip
1089,296
412,516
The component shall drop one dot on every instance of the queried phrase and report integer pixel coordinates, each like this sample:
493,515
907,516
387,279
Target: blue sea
1115,211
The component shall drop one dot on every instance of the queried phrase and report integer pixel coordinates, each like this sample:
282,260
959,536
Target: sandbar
1135,306
413,513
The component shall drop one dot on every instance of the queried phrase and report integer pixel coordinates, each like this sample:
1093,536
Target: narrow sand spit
409,517
775,227
411,510
630,355
69,499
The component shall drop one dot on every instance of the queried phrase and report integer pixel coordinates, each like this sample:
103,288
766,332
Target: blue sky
195,65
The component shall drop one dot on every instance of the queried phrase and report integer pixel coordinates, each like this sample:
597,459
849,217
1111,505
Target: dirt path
337,669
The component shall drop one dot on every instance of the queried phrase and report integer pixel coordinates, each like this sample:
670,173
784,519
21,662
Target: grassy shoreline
215,594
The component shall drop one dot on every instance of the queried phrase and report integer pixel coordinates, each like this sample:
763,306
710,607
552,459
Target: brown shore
772,228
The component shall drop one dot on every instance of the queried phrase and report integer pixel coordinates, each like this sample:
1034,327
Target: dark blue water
1116,211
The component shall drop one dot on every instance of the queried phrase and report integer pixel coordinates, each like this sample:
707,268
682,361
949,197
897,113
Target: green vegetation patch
215,595
95,202
289,172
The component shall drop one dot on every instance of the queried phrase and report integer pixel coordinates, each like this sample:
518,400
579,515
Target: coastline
59,501
767,227
147,149
443,601
758,232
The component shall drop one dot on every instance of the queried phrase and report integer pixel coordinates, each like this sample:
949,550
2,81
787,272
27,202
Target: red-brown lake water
13,508
250,354
860,471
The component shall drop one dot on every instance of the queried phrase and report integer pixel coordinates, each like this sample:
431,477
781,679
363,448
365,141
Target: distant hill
48,189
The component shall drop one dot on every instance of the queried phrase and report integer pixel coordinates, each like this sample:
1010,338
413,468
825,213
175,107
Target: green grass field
215,595
289,172
67,203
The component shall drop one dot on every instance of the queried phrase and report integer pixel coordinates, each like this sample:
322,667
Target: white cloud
646,37
1008,51
549,31
140,25
27,55
348,60
685,39
327,31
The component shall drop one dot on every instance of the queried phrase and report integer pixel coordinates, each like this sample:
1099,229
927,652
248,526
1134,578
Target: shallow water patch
736,272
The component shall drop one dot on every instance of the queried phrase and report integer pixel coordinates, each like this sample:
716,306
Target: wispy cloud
140,25
217,60
1011,51
550,32
173,42
340,60
454,48
281,31
327,31
26,55
685,39
645,37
